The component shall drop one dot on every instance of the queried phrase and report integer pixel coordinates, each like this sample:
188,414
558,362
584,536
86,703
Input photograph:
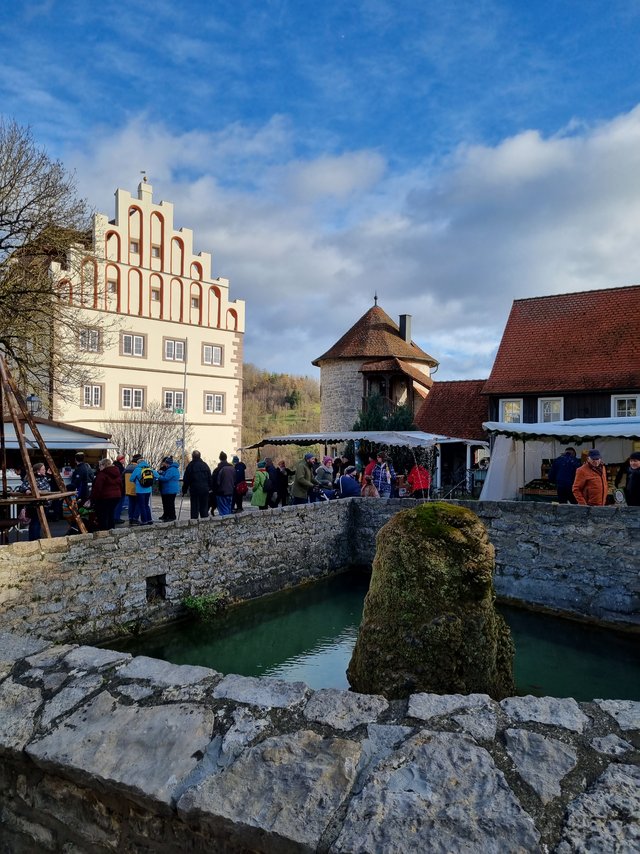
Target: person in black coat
632,488
562,473
241,478
197,482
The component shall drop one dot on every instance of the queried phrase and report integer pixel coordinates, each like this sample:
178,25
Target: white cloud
306,244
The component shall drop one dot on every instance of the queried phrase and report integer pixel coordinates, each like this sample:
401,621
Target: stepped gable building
568,356
376,356
160,329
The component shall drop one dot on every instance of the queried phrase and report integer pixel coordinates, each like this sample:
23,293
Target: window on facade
195,302
511,411
112,286
132,398
550,409
214,403
155,251
174,400
134,247
211,354
624,407
155,295
92,395
132,345
89,340
174,350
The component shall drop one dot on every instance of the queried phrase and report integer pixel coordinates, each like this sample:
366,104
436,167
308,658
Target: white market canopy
406,439
577,429
518,449
59,436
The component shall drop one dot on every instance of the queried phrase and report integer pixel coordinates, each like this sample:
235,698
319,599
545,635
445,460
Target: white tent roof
59,436
574,430
408,439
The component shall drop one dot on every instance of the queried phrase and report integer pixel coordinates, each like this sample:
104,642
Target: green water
308,635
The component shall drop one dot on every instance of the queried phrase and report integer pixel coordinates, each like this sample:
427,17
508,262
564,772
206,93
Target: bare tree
153,432
41,218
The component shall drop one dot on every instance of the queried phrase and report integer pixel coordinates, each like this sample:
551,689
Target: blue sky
452,156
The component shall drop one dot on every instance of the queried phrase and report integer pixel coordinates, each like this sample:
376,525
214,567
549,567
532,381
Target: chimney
405,327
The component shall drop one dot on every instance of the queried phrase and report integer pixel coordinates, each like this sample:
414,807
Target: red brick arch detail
180,243
232,319
196,290
214,293
180,285
107,238
140,239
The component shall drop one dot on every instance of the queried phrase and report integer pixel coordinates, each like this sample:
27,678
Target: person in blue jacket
348,486
562,473
169,483
143,491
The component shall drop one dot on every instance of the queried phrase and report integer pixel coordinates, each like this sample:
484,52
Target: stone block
344,710
18,707
264,693
542,762
163,673
559,712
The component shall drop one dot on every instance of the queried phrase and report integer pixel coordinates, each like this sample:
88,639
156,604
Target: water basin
308,635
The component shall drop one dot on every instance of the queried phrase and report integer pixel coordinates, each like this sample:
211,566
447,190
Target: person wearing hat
169,484
259,496
130,490
303,480
590,486
324,473
348,486
632,488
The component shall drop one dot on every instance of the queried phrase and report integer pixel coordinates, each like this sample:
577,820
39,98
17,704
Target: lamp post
33,402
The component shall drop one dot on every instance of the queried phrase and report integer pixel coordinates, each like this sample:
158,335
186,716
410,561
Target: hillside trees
41,216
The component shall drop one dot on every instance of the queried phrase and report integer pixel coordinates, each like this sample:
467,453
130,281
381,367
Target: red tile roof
455,408
398,366
570,342
375,336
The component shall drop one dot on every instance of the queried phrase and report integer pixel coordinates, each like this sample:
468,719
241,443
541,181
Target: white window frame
195,302
174,349
212,360
136,345
542,401
89,340
136,397
92,396
134,247
615,398
214,403
155,294
155,250
505,400
173,399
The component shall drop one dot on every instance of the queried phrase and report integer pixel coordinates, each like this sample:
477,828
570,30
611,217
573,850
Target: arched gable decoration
196,291
156,216
113,246
89,283
176,302
196,271
135,215
232,319
177,256
214,307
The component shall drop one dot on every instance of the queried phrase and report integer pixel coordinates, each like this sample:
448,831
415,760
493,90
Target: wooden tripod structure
12,399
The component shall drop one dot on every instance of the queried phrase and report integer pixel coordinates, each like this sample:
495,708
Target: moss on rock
429,621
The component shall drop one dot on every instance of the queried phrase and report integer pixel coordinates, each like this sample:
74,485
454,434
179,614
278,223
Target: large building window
173,400
550,409
92,396
174,350
624,406
511,410
211,354
131,398
89,340
132,345
214,403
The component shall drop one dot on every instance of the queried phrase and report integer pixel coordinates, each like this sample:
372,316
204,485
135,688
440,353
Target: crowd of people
103,496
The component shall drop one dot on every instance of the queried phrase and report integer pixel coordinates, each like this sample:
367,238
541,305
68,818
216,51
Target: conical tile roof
375,336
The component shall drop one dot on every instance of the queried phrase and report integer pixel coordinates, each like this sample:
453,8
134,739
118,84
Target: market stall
520,452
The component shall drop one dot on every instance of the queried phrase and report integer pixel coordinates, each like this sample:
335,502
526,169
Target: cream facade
155,326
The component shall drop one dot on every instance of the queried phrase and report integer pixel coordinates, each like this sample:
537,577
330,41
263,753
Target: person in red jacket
106,493
419,480
590,485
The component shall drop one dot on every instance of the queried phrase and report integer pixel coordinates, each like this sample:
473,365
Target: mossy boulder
429,621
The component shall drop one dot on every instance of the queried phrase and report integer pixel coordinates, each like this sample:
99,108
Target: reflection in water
308,635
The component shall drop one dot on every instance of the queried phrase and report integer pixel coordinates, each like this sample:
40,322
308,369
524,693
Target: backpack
146,477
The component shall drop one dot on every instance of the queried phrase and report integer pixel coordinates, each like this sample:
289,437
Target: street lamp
34,403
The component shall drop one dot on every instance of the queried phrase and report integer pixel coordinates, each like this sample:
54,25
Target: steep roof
375,336
454,408
570,342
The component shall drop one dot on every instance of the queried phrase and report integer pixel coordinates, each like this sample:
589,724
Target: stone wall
340,394
101,752
575,560
578,561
